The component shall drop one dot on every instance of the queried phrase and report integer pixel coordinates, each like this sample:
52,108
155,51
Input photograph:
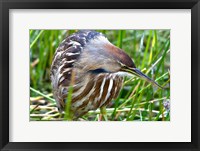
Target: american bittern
98,66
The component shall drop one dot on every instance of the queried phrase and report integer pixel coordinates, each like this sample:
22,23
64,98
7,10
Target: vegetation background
138,100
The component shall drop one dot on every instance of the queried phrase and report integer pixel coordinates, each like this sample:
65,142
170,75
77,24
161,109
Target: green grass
138,100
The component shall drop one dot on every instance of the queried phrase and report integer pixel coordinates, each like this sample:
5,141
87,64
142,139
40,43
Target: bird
97,69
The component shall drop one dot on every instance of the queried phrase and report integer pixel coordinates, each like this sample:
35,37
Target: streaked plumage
96,64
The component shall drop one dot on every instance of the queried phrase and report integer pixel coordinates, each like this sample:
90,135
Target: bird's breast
95,91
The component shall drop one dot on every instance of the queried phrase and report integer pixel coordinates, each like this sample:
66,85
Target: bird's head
101,56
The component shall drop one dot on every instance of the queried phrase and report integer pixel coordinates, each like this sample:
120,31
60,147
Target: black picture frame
5,5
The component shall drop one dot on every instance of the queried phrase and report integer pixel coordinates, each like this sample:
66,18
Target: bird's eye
124,67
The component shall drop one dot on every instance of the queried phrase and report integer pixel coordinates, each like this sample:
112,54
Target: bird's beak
141,75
